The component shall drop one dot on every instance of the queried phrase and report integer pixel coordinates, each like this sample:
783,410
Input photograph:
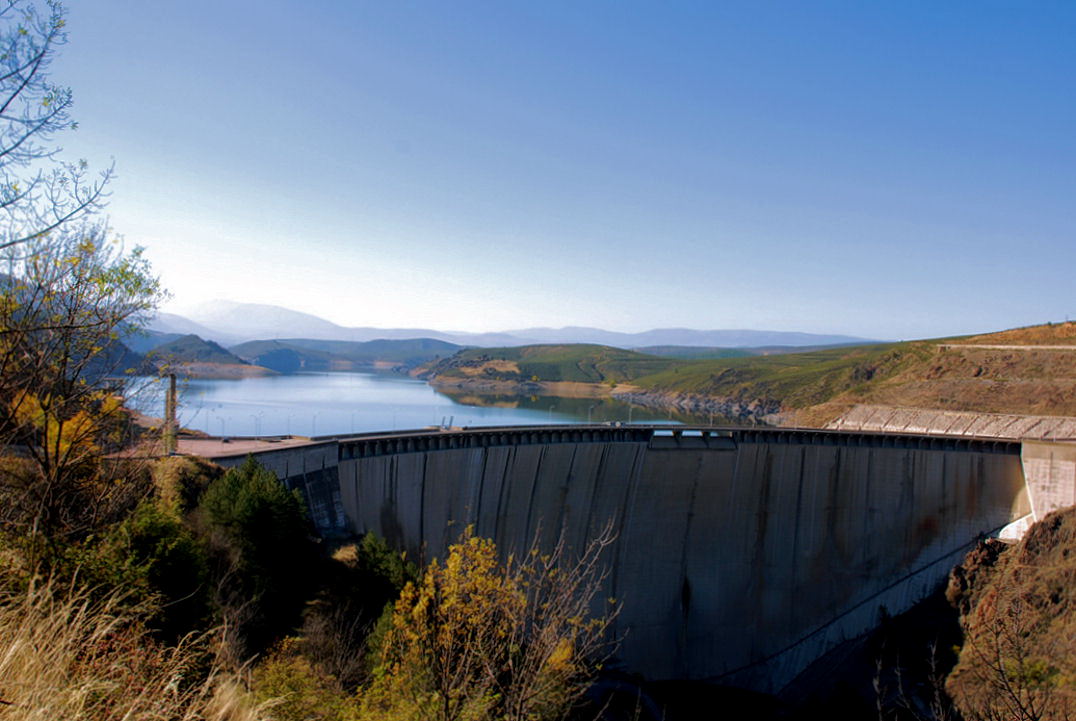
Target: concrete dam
741,555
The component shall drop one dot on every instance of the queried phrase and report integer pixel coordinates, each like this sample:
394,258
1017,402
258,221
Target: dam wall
1050,470
741,555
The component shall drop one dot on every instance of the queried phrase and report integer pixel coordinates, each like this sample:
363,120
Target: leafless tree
40,191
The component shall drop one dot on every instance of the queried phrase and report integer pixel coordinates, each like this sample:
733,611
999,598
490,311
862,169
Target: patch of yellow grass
65,655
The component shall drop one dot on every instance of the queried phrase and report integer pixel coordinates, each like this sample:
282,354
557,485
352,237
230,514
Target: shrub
478,639
267,560
297,691
154,549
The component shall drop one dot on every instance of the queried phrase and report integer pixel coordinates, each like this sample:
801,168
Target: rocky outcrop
1018,612
755,409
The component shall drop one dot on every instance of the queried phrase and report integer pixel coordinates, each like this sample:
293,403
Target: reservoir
318,404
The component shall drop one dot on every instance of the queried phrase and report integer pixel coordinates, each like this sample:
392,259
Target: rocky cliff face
751,410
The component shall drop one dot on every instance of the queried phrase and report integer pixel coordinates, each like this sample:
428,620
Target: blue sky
889,170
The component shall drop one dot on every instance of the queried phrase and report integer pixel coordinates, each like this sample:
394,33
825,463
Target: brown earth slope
1032,372
1041,382
1018,613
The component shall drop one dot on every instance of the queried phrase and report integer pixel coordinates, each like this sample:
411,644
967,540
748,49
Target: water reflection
311,404
589,410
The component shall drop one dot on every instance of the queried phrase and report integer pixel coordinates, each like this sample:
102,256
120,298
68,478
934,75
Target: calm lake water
314,404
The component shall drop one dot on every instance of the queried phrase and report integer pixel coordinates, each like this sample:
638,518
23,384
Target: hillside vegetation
1018,612
808,388
1048,334
194,357
921,374
688,352
796,380
547,363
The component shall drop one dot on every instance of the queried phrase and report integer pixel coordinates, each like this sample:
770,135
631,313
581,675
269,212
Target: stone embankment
754,410
889,419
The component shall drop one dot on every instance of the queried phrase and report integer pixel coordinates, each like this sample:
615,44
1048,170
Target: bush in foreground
477,639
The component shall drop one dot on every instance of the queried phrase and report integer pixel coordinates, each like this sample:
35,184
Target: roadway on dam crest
741,555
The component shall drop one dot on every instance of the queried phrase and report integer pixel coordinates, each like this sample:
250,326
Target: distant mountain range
230,323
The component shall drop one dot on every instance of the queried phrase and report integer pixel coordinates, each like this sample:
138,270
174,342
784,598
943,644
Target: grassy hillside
1048,334
796,380
687,352
920,374
817,385
552,363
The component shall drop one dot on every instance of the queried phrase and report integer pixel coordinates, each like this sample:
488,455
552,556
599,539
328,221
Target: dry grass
1048,334
66,655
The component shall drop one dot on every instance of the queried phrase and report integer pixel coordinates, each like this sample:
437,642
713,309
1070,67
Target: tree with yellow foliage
65,302
67,294
478,639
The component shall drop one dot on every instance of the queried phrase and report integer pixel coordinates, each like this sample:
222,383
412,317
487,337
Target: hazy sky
885,169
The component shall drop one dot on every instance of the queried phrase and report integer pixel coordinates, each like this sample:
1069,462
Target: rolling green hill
687,352
795,380
549,363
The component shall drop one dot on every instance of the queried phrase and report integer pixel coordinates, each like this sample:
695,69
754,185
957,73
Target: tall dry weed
66,655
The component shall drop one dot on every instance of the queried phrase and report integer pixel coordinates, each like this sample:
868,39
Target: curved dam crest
740,556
